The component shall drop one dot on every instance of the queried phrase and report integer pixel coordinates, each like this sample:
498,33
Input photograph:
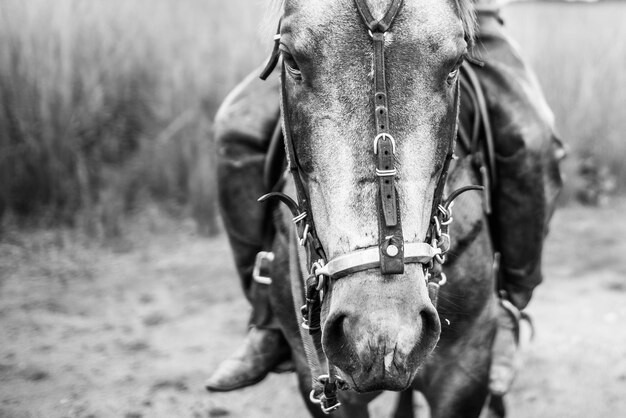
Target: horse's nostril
335,334
341,337
431,327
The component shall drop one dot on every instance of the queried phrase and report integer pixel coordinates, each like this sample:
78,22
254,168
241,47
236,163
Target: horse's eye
291,65
452,76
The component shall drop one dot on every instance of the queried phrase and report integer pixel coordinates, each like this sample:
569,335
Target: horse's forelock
274,12
467,14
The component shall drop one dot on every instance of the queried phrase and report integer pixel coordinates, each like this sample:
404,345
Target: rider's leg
528,179
243,128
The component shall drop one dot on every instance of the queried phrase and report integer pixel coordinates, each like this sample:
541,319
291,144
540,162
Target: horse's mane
272,15
464,9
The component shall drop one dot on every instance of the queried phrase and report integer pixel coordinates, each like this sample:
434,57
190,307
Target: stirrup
262,264
517,316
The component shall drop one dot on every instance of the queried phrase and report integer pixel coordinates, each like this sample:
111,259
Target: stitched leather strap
369,258
274,57
306,226
391,240
378,25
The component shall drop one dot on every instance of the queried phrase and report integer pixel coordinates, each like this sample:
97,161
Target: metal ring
299,217
386,173
444,279
323,377
448,222
316,266
445,212
388,136
327,411
313,399
321,282
444,239
256,270
321,277
306,326
305,235
437,227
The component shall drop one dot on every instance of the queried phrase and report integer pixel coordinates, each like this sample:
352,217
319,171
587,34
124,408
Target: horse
369,109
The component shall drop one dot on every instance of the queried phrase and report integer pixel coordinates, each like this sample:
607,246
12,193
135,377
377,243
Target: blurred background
107,106
114,279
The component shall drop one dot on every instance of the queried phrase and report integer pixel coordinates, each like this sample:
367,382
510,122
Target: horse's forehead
379,8
433,21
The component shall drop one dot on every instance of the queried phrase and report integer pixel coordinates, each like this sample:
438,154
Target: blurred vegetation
579,52
107,105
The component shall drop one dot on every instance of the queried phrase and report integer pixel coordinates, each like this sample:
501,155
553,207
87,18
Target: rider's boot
262,351
243,128
506,359
528,182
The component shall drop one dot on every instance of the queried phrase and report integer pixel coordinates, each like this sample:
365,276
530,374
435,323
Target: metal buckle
261,262
304,311
305,235
321,402
327,404
444,279
389,137
330,409
386,173
299,218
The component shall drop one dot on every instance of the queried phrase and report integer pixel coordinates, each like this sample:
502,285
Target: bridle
392,253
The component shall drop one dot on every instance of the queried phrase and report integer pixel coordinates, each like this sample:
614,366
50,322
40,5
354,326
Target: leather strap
483,113
441,183
383,24
391,240
369,258
274,166
306,225
274,57
477,139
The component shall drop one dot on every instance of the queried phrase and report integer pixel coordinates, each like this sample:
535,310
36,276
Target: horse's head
377,328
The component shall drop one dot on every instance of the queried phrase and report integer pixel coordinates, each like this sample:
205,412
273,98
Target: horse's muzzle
380,329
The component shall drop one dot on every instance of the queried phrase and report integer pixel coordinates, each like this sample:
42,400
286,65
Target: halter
391,253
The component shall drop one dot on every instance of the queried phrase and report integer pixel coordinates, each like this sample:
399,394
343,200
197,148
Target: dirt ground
132,329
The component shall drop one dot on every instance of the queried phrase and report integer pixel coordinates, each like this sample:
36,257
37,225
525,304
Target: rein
391,253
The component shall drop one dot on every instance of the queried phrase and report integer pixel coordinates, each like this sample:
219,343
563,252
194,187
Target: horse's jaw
378,330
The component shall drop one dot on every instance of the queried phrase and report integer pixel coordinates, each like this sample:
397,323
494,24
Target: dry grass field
107,104
578,52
